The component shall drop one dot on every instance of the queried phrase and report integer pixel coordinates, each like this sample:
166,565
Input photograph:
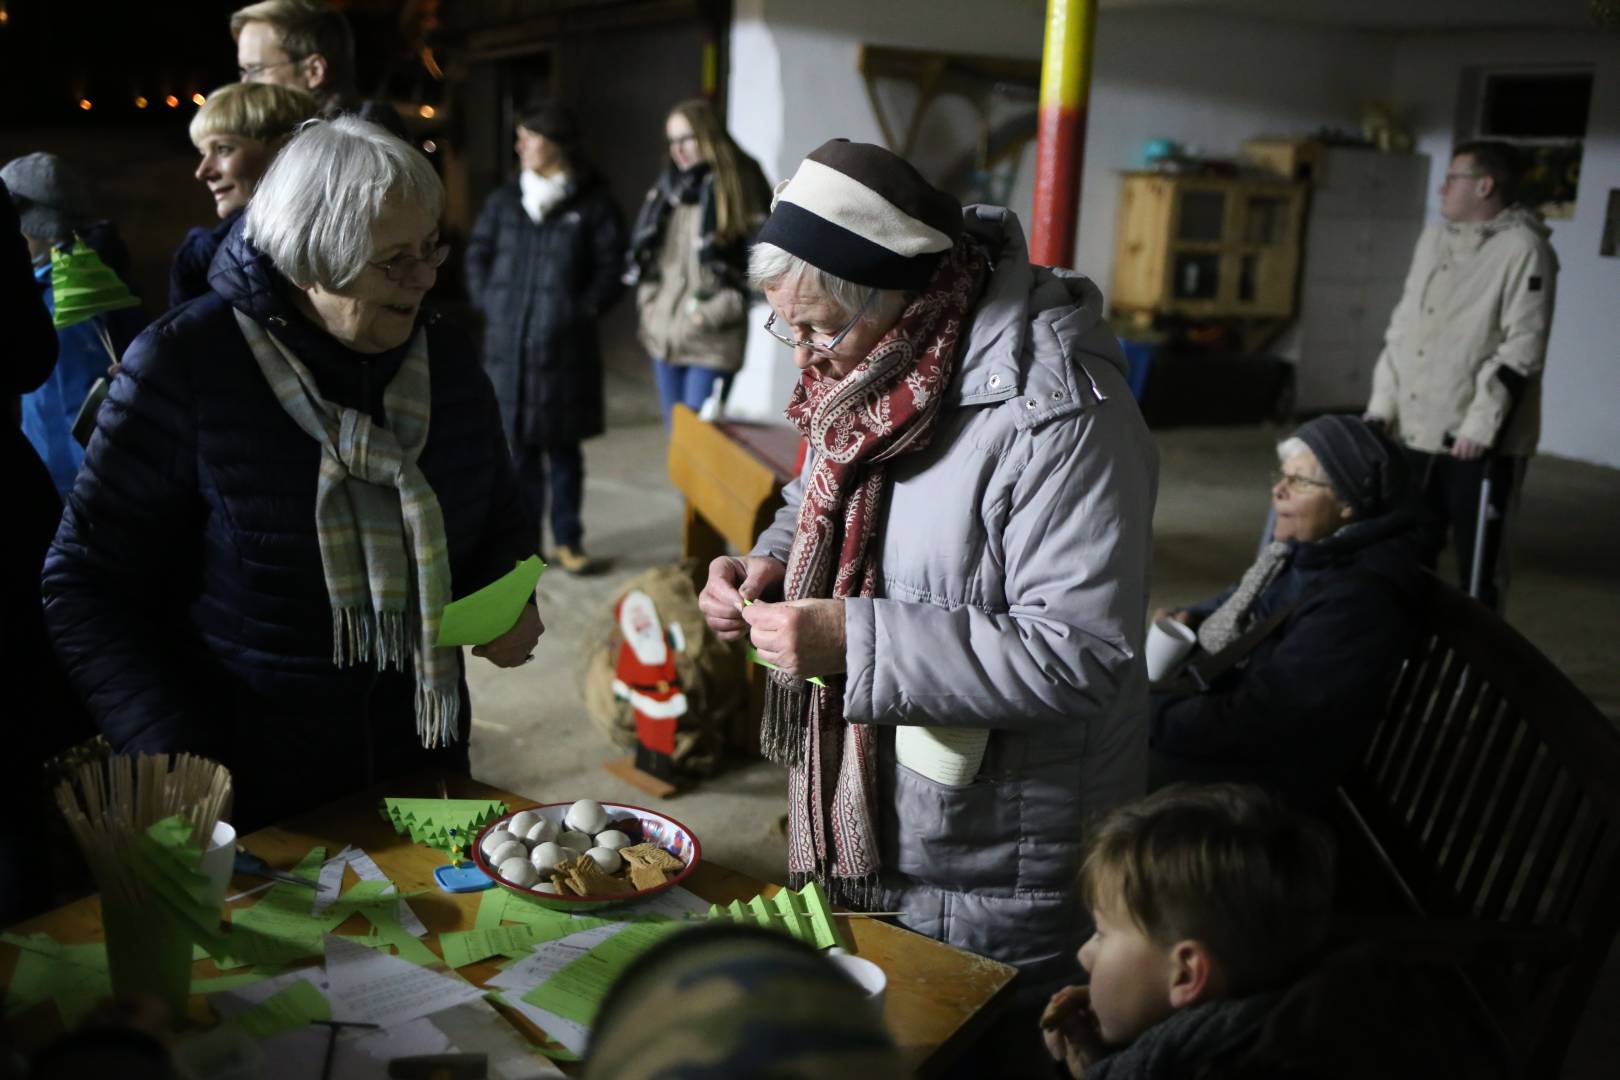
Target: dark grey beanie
52,199
1367,471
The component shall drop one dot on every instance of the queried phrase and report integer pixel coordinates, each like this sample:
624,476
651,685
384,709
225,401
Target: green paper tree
804,914
83,287
429,821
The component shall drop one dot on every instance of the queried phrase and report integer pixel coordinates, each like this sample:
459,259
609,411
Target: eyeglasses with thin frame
681,140
401,266
1295,483
829,349
253,71
1453,177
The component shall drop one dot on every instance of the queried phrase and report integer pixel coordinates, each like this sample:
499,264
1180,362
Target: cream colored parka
1478,301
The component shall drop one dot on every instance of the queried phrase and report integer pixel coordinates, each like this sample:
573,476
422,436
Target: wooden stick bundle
109,803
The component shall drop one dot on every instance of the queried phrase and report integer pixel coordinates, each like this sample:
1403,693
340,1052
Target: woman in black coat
543,265
1320,621
290,477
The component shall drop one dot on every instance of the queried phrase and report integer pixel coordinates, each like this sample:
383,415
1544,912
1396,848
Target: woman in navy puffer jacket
286,483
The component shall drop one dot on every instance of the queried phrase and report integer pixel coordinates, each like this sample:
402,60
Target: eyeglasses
1452,177
680,140
1297,485
400,267
253,71
829,349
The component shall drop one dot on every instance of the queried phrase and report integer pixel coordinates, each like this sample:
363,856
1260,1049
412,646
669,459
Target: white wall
1582,383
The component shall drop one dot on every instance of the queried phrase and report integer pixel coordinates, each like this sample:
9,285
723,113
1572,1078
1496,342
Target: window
1541,111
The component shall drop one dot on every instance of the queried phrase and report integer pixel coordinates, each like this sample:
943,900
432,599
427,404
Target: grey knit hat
1367,471
52,199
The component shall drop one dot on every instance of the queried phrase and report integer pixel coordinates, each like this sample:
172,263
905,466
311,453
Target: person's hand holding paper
497,620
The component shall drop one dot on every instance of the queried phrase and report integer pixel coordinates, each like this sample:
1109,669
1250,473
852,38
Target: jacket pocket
953,837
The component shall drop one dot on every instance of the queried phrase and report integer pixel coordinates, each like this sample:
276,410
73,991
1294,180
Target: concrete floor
531,734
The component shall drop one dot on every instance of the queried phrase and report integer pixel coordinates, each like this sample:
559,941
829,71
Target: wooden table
939,998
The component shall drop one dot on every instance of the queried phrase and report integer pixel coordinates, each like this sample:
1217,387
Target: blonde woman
237,131
689,256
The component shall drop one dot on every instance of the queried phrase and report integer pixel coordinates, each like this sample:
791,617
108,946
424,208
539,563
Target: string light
197,99
84,103
140,102
427,112
172,102
429,145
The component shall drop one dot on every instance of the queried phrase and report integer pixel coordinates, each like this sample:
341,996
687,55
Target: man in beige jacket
1459,380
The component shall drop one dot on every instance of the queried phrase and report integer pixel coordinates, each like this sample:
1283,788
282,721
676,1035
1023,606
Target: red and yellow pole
1071,29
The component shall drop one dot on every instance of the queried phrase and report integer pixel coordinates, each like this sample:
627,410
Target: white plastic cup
865,974
1168,643
217,861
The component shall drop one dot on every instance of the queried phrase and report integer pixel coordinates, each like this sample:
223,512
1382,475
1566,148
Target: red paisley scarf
887,406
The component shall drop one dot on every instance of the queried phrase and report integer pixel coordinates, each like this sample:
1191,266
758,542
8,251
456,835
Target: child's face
1130,975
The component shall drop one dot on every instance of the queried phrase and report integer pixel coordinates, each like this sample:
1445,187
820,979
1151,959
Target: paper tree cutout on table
429,821
83,286
805,915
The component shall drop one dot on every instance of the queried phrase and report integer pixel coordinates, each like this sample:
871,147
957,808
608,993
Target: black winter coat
541,289
184,589
188,270
1296,714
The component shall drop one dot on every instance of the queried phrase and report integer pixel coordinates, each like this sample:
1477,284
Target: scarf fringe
437,714
855,893
784,733
359,635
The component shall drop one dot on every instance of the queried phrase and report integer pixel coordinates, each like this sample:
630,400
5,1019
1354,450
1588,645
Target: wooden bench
1489,795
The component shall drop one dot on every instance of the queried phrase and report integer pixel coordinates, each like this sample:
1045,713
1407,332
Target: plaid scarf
1228,622
380,529
887,406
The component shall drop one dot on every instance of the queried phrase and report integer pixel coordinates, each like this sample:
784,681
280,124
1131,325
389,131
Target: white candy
544,886
546,856
543,830
577,840
521,822
512,849
587,816
612,839
606,858
518,871
495,839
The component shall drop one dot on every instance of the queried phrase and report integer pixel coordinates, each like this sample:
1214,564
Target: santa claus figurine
645,677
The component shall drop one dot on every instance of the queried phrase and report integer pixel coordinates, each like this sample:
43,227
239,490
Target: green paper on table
429,821
297,1006
75,976
754,657
490,612
576,992
470,946
804,914
232,982
555,1051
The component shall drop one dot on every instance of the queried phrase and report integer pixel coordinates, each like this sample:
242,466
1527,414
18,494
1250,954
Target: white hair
769,265
1293,446
313,212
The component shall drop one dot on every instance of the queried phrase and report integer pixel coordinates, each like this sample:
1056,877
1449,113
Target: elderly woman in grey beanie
961,564
1293,659
290,478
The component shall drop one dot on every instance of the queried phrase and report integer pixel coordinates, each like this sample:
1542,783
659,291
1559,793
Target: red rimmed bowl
641,824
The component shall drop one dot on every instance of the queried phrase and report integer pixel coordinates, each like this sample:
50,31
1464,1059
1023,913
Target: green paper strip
576,992
232,982
753,655
491,611
297,1006
491,909
557,1052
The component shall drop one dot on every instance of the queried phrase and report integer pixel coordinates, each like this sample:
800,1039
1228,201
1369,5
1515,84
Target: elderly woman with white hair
962,563
1294,660
290,479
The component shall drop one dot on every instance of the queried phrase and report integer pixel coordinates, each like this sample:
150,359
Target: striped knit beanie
861,213
1367,471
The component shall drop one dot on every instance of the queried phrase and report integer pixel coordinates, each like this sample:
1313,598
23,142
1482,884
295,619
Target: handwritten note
373,987
491,611
576,991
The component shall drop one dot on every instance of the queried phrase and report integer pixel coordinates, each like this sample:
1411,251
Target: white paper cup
865,974
217,860
1168,643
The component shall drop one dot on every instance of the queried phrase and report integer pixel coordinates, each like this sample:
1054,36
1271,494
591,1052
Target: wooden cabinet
1208,247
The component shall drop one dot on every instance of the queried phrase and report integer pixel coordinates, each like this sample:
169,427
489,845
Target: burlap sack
711,671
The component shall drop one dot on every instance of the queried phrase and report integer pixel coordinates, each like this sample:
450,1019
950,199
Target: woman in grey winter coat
543,265
963,561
